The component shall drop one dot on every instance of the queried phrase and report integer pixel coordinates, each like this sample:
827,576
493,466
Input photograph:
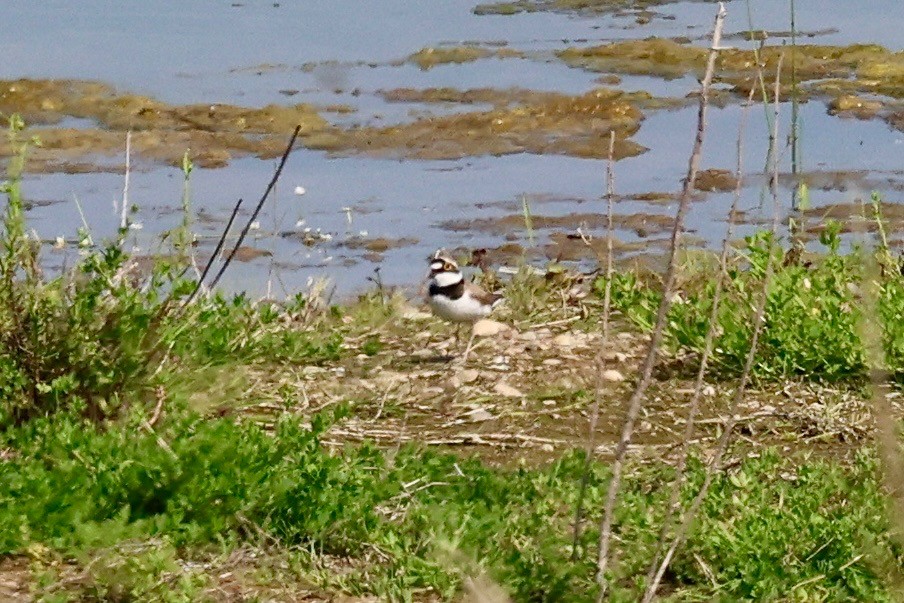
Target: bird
454,299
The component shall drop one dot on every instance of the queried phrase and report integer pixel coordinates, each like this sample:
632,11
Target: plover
453,298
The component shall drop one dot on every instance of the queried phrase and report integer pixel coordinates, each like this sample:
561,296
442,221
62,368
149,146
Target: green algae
160,132
520,121
430,57
868,67
552,123
426,58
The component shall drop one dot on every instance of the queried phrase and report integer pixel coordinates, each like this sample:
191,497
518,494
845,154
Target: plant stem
636,401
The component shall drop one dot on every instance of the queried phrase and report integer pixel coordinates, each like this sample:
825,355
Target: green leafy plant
811,312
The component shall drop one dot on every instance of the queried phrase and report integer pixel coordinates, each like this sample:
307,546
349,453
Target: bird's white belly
463,309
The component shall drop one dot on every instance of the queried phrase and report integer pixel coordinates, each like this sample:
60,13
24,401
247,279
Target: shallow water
342,52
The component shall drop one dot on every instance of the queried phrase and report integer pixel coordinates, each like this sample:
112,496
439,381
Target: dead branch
636,401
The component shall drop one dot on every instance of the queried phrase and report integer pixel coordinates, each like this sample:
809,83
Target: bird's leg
464,358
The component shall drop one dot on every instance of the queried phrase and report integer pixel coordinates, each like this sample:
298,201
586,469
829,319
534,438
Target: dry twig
601,353
636,401
759,319
653,576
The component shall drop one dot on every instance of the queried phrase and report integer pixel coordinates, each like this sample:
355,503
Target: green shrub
811,315
101,337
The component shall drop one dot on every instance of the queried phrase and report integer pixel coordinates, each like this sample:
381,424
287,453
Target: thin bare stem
260,204
758,318
636,401
709,341
124,216
600,358
215,254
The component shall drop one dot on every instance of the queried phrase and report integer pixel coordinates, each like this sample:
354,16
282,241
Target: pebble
616,356
613,376
500,363
468,375
565,340
547,448
504,389
709,391
489,328
548,403
478,415
552,362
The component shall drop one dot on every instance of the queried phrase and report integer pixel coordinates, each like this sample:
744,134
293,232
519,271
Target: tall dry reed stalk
759,318
637,398
600,361
653,575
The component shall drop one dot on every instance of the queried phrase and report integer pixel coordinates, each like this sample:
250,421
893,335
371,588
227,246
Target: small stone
565,340
528,336
489,328
468,375
548,403
479,415
500,363
613,376
504,389
709,391
616,356
552,362
547,447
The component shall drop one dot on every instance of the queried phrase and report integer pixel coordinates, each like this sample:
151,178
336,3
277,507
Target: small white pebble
299,190
136,226
255,226
362,233
60,243
299,224
613,376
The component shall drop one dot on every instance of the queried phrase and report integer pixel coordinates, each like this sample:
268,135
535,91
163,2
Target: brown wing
482,295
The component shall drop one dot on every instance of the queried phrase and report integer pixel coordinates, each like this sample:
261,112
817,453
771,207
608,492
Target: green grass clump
103,336
812,315
769,528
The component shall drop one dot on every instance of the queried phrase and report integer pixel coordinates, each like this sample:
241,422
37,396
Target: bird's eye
448,267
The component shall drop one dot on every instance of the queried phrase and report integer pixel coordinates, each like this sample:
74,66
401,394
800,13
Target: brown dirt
525,394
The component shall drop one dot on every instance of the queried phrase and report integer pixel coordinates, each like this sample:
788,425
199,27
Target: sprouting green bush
98,338
811,314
